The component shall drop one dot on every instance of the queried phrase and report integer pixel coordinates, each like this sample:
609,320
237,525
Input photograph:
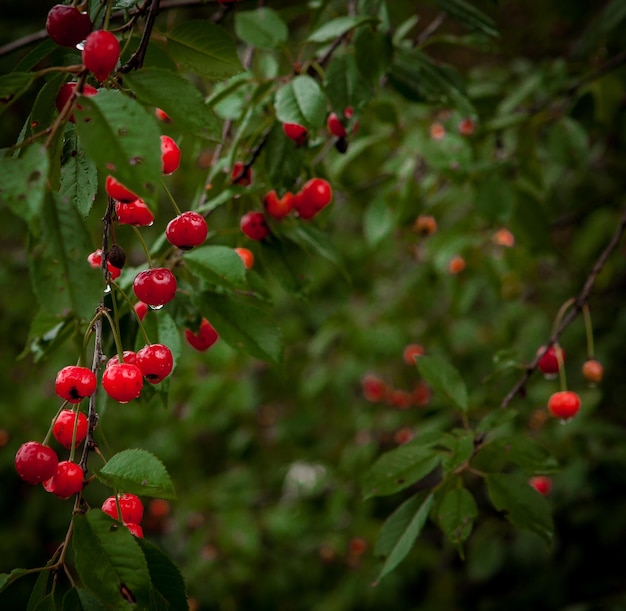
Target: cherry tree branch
136,60
572,313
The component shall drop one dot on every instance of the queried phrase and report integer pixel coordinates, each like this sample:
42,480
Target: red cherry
403,435
128,356
399,398
593,371
254,225
116,190
155,286
315,195
100,53
35,462
67,26
135,529
421,394
204,338
155,361
122,382
74,383
240,174
335,127
141,309
564,404
467,127
410,352
373,387
68,91
296,132
67,481
541,483
187,230
170,155
134,213
161,115
549,362
95,260
130,506
247,256
63,429
278,208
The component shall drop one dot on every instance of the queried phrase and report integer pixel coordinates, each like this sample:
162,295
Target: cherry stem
559,359
116,336
132,307
588,331
143,245
559,315
171,198
136,60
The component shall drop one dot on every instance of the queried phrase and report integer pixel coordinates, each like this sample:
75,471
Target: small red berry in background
254,225
130,506
141,309
410,352
161,115
35,462
155,361
564,404
456,265
467,127
357,546
403,435
241,175
95,260
205,337
74,383
373,387
122,382
276,207
67,26
548,364
335,126
134,213
437,131
314,196
593,371
399,398
170,155
187,230
135,529
247,256
296,132
63,429
67,481
542,484
116,190
421,394
67,91
100,53
503,237
156,286
425,225
159,508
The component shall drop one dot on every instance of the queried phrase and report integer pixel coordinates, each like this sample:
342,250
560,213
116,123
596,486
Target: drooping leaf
44,107
218,265
262,28
461,448
283,160
6,579
525,453
470,16
187,108
301,101
109,561
521,504
373,53
495,198
378,221
456,514
344,85
12,86
204,48
38,593
79,599
139,472
444,379
401,529
122,138
338,27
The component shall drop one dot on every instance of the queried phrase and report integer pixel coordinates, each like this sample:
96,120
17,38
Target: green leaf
283,160
611,16
338,27
470,16
122,138
168,590
6,579
444,379
39,590
286,262
139,472
62,279
523,507
262,28
345,85
400,531
187,108
23,183
373,53
301,101
12,86
204,48
456,514
47,603
496,419
243,325
495,198
461,448
378,221
218,265
44,107
525,453
79,599
399,468
109,561
79,176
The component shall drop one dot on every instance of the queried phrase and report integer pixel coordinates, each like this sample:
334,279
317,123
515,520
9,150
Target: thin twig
432,27
577,307
136,60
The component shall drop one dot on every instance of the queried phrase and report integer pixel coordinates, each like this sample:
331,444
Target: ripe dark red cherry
95,260
240,174
315,195
67,26
335,127
122,381
100,53
161,115
128,356
141,309
156,363
247,256
130,505
187,230
67,481
564,404
542,484
74,383
134,213
67,91
549,363
116,190
204,338
155,286
276,207
373,387
593,371
63,428
254,225
296,132
170,155
35,462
